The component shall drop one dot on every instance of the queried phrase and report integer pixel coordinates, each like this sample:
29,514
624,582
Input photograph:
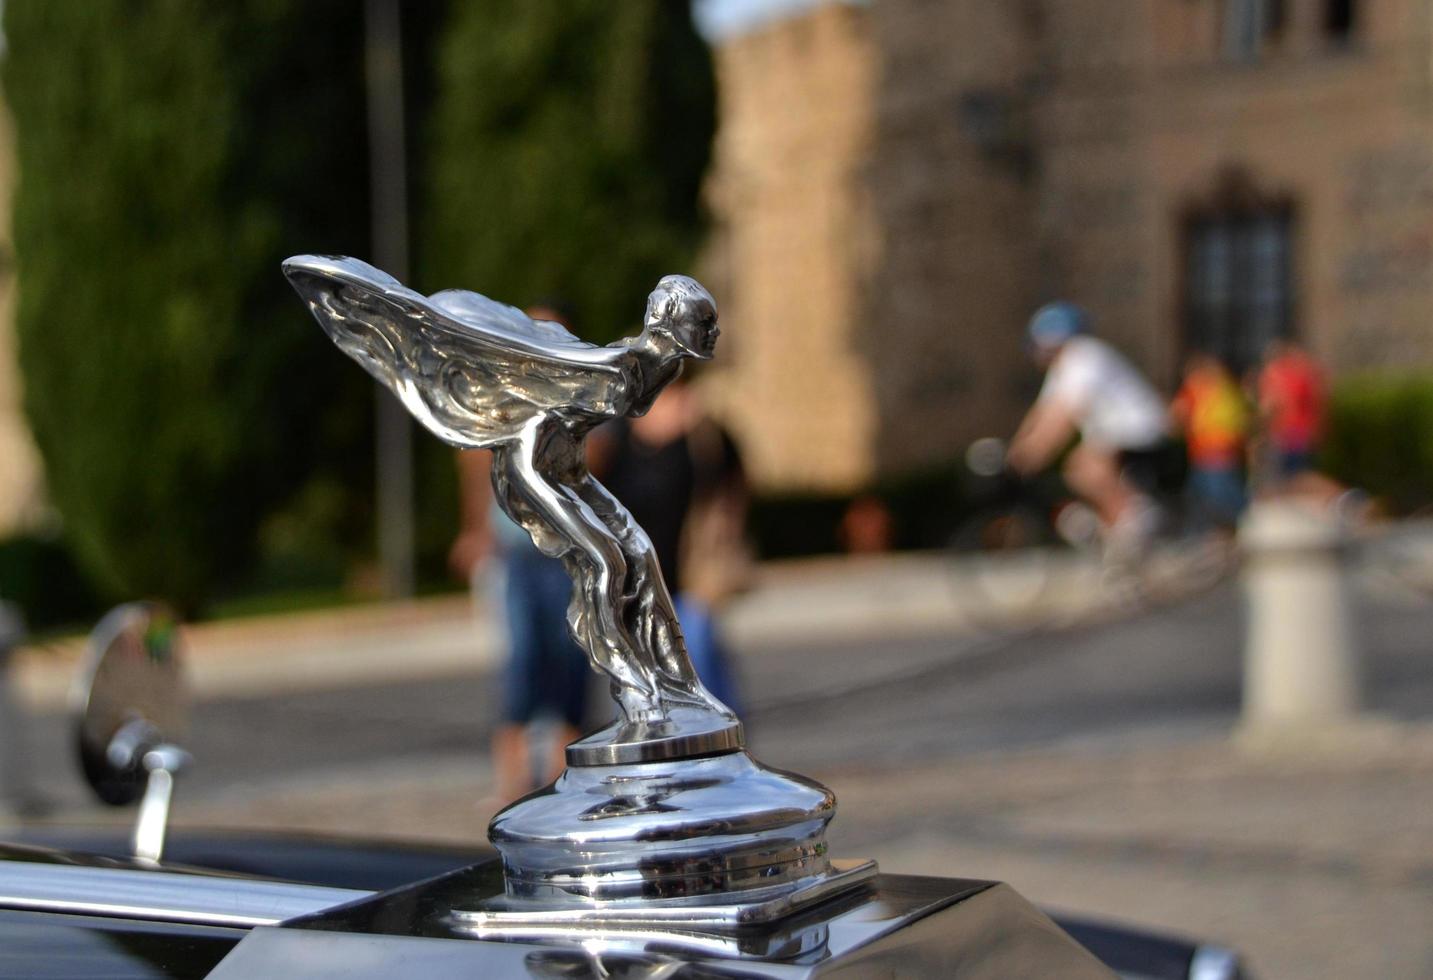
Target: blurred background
879,195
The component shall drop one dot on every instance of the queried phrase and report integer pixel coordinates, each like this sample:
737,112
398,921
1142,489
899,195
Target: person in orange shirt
1211,411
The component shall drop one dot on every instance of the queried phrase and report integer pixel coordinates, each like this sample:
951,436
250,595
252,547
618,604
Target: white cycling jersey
1113,405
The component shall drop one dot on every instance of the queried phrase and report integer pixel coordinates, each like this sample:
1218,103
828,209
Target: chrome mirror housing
131,715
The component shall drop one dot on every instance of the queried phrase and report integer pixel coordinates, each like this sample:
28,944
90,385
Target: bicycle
1025,537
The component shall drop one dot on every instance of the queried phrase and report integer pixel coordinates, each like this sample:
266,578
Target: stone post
1301,667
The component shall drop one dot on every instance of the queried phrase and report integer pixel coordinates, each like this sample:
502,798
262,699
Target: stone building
789,256
899,184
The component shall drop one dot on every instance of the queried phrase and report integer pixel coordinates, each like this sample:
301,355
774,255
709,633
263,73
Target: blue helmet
1055,323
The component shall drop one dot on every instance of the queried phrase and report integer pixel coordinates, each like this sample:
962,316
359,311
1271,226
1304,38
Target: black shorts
1148,469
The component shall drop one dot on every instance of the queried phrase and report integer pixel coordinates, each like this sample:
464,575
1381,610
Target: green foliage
171,153
568,144
199,434
1380,437
39,573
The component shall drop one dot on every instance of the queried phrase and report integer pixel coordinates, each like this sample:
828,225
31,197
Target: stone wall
897,186
951,176
1133,138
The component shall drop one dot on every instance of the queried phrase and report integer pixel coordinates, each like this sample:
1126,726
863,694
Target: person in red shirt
1292,405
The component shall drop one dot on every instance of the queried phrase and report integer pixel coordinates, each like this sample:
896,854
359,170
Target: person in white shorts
1093,390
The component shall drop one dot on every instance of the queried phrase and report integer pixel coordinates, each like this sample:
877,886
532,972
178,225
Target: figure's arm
646,380
472,371
474,542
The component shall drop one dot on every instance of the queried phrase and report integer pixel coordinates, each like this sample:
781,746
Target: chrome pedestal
687,731
720,839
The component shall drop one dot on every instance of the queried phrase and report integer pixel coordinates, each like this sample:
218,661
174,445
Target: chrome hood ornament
662,815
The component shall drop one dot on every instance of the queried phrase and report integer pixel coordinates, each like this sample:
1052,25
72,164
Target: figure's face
682,318
694,328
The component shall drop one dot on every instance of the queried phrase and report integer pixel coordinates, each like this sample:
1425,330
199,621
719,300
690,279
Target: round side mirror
130,699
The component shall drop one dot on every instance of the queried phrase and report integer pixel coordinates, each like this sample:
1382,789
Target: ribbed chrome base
628,841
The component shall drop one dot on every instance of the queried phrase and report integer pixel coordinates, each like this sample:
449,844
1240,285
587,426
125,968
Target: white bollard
1301,666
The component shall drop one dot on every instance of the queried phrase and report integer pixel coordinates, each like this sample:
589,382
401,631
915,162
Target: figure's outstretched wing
470,369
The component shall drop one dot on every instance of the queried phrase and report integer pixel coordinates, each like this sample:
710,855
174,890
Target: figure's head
680,311
1052,326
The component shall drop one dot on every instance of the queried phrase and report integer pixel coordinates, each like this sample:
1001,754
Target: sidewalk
883,596
900,595
298,651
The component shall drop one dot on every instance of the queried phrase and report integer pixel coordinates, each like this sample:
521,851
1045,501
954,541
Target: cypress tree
568,144
171,153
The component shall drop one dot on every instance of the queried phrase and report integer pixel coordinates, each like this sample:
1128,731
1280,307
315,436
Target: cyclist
1092,390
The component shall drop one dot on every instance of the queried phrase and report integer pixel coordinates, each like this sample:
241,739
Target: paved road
843,704
1164,675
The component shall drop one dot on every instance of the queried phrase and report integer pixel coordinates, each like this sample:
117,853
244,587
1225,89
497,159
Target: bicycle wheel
1001,565
1177,568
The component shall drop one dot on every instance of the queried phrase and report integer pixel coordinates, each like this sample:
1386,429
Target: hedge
1380,437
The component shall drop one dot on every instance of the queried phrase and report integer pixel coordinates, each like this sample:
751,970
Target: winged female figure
481,374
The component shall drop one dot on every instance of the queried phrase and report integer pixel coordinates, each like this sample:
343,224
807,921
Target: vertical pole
147,841
393,431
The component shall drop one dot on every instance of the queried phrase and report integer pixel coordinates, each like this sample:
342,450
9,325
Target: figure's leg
567,528
654,617
709,655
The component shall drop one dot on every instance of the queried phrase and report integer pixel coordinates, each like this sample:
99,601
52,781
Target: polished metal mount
696,831
672,921
889,926
662,812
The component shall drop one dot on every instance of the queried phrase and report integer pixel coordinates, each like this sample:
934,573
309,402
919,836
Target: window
1250,26
1238,289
